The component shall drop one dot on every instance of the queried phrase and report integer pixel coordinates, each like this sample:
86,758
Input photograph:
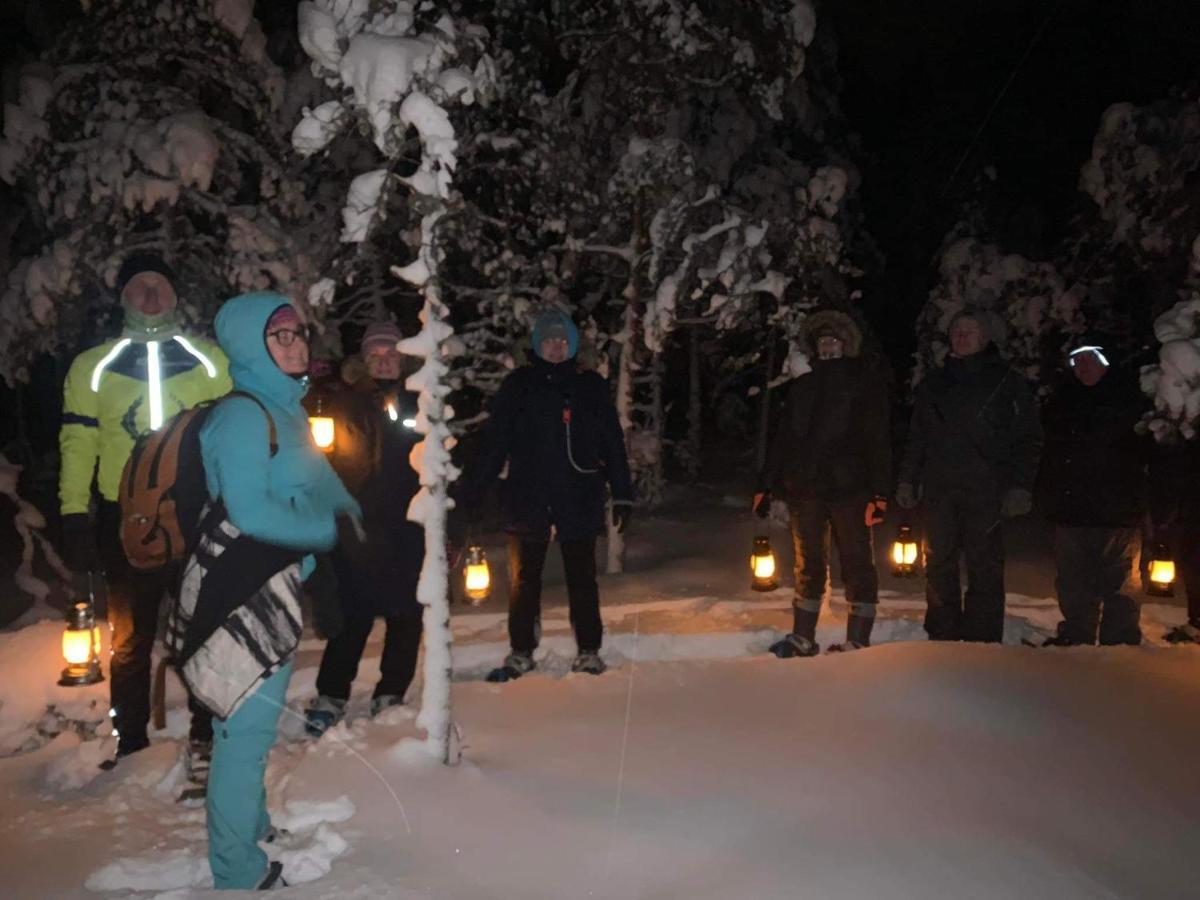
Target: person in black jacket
375,425
972,457
1092,486
557,429
831,460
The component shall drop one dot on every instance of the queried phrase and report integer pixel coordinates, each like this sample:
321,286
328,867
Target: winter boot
323,715
515,665
273,880
858,634
795,645
1187,633
274,834
125,747
385,701
589,661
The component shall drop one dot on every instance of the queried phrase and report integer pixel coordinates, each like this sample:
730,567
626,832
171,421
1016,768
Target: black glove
620,516
79,544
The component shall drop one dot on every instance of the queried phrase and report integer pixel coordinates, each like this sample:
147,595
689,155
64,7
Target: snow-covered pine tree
151,123
398,70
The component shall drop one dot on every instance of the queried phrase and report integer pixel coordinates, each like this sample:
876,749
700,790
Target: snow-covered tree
398,69
1174,382
150,124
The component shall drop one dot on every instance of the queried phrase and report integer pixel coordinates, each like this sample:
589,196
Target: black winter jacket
834,440
557,429
974,428
1093,469
370,455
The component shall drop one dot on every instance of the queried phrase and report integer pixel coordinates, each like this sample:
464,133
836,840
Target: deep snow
698,767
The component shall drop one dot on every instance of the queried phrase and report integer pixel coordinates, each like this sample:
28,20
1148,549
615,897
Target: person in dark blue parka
556,427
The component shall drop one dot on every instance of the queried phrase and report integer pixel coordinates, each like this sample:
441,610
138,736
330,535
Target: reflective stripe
1089,349
204,360
108,358
76,419
154,377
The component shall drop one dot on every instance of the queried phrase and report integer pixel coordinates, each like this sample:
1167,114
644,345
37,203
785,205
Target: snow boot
273,880
795,645
858,634
385,701
125,748
590,662
515,665
274,834
198,760
323,715
1187,633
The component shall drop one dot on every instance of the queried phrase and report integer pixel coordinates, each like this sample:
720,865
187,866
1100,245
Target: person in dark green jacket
113,394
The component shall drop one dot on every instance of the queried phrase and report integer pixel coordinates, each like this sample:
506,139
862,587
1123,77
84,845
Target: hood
555,319
990,325
241,325
836,322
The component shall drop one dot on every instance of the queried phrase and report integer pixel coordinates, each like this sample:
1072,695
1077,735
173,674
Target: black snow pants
134,599
964,523
1094,564
526,560
343,653
812,520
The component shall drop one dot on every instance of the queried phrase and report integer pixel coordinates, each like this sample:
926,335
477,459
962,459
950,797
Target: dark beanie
142,261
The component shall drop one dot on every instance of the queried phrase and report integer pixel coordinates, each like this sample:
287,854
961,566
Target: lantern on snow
764,572
324,431
1161,572
477,577
904,554
81,646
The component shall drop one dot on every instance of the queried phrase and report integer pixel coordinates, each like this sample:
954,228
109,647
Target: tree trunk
695,410
625,367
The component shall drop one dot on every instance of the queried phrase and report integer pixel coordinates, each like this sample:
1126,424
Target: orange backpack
163,488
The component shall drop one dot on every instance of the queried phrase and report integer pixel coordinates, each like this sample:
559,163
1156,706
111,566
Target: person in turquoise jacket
277,490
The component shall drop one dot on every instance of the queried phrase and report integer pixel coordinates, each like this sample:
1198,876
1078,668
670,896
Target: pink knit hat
284,316
381,334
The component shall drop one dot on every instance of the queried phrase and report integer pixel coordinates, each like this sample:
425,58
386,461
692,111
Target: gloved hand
906,495
762,504
620,516
1017,502
876,510
79,544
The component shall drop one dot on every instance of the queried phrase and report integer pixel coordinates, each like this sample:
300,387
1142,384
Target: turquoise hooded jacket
291,499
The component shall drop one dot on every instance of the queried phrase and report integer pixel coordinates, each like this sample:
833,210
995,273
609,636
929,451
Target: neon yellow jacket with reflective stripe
108,402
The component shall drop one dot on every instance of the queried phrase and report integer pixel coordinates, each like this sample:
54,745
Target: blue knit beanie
555,323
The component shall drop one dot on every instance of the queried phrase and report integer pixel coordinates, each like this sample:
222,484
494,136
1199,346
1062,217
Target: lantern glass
323,431
904,553
477,576
762,566
1162,571
80,645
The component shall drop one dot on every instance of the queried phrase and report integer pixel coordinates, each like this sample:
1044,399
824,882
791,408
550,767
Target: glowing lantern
904,554
81,646
1162,573
324,432
765,575
477,577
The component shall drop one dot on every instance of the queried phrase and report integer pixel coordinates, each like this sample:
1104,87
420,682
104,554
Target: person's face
829,347
150,293
966,337
1088,368
555,349
288,346
383,363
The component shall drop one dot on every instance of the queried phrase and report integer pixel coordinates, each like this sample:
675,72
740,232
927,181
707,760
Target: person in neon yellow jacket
114,393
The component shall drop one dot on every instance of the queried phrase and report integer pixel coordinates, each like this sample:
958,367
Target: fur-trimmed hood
836,322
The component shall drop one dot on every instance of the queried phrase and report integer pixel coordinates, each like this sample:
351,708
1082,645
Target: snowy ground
696,768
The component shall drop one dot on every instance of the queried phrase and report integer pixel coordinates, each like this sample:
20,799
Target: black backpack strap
273,436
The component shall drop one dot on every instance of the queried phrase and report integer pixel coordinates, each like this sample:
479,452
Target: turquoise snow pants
237,795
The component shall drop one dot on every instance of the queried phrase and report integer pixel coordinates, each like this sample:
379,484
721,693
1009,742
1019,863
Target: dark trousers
1094,564
812,522
343,653
964,524
526,560
134,599
1184,539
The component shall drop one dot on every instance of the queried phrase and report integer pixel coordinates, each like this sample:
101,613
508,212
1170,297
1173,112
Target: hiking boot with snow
795,645
273,880
1187,633
590,663
515,665
323,715
385,701
125,748
858,634
199,761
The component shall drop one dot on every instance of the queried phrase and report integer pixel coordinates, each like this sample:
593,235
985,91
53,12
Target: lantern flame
764,566
323,431
1162,572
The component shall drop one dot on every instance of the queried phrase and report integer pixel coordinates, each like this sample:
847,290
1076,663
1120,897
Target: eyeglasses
288,336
